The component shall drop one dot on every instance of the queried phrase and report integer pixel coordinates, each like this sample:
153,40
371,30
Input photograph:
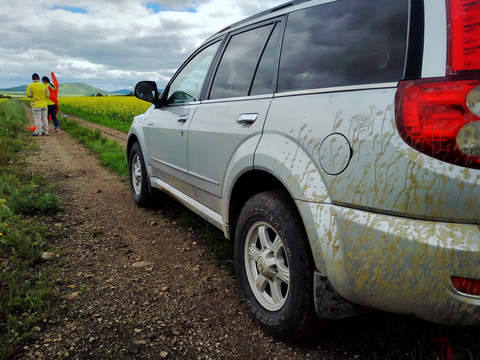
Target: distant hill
122,92
79,89
66,89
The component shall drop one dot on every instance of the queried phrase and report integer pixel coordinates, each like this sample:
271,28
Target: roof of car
263,13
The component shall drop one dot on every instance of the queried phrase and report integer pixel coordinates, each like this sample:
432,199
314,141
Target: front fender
135,133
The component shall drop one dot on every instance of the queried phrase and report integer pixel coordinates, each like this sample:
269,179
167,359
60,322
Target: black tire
275,267
138,177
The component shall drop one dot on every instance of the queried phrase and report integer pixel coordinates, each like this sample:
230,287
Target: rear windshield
348,42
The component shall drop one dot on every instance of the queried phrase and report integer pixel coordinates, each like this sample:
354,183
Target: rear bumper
396,264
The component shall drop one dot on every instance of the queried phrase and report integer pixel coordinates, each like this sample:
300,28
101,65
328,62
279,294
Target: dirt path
137,284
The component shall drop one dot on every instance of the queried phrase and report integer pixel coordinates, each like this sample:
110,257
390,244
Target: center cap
261,265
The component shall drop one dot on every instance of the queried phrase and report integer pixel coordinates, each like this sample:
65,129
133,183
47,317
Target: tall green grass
27,291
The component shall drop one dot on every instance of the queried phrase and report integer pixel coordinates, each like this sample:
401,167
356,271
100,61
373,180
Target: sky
109,44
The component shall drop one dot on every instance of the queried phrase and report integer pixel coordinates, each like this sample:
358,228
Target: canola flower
5,225
121,109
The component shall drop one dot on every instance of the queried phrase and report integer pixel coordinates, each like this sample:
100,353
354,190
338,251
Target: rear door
226,128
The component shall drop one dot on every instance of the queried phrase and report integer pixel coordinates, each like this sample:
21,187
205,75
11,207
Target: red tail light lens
466,286
464,35
437,119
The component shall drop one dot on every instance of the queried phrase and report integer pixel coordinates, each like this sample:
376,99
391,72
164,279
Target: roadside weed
27,292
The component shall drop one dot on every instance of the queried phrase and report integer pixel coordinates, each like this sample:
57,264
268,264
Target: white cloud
114,42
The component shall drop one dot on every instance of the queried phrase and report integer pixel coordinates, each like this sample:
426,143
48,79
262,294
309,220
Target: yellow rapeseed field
119,109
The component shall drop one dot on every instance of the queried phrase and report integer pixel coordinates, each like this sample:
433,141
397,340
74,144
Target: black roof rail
262,13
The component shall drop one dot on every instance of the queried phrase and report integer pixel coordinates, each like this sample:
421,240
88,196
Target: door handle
182,118
247,118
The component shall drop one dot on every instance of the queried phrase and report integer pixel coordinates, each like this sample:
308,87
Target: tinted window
188,84
239,62
263,83
344,43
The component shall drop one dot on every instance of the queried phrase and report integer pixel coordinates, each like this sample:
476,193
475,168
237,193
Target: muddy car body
338,144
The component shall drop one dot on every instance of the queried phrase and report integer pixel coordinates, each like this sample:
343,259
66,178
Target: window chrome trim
197,102
388,85
337,89
239,98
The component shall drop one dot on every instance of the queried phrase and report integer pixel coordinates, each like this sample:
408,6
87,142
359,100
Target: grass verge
27,291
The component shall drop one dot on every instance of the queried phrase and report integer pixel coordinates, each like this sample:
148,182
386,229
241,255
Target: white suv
338,144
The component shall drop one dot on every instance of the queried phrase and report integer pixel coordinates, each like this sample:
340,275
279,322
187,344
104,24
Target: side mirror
147,91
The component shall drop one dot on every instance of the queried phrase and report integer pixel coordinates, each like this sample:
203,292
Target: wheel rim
266,266
137,174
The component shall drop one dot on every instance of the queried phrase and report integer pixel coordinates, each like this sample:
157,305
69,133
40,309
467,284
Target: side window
343,43
239,62
264,81
187,86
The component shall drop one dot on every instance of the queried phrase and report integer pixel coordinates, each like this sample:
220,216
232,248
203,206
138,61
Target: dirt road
138,285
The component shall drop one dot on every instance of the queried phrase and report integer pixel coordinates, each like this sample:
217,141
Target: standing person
38,93
51,105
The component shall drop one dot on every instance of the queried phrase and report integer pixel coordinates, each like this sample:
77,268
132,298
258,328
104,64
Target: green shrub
5,213
31,200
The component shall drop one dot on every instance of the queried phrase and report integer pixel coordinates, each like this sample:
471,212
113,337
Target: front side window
344,43
239,62
188,84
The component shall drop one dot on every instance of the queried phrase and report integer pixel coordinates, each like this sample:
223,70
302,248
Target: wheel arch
281,162
248,185
132,139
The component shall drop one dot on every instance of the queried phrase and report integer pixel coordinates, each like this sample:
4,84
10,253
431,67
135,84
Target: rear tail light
466,286
441,119
463,35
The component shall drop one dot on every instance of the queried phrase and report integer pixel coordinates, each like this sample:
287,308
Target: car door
166,128
226,128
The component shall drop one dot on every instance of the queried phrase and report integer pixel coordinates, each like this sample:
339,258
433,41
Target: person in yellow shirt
52,107
38,94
